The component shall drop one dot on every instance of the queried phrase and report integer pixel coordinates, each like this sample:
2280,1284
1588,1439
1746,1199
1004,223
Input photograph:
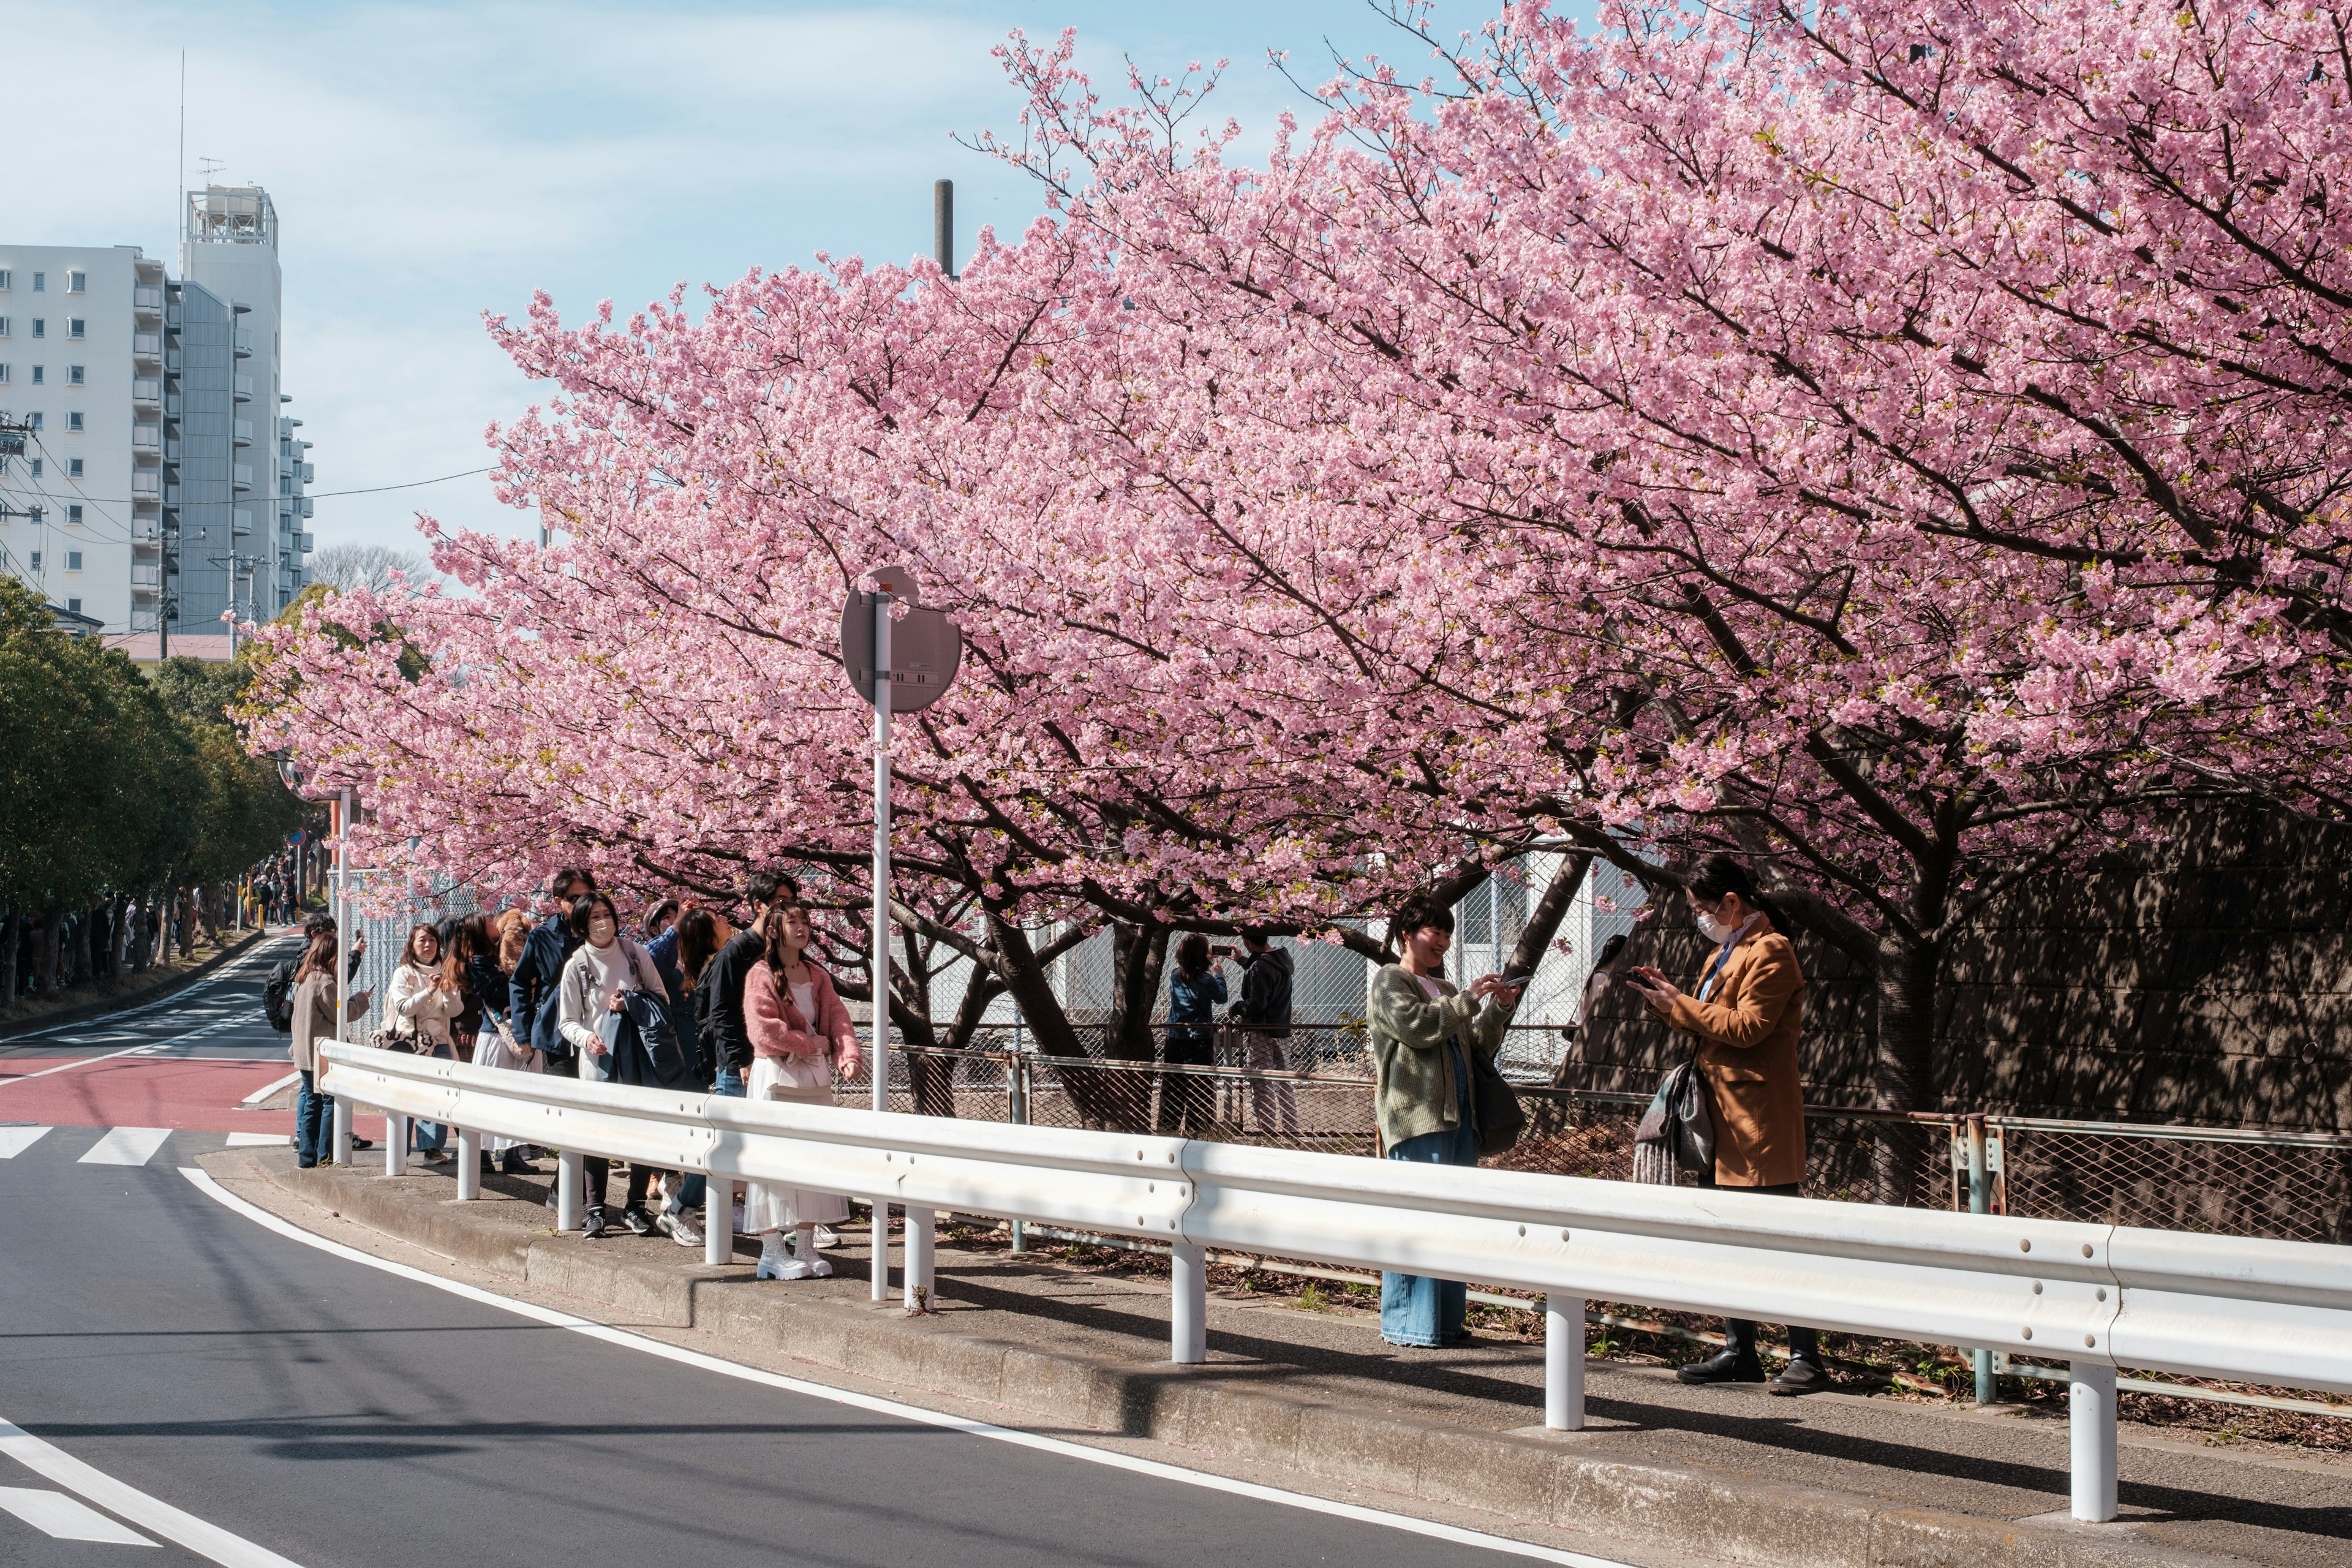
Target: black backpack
277,998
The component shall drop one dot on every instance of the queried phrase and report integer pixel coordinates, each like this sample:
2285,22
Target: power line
323,495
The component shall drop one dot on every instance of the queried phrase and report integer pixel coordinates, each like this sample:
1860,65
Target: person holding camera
1423,1030
1746,1019
1188,1101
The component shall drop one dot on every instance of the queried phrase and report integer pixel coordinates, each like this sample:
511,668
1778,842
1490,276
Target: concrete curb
121,1000
1524,1475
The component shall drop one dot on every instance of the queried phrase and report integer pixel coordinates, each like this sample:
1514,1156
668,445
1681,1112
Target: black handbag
1495,1105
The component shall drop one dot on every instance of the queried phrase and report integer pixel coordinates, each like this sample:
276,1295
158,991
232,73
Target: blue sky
431,162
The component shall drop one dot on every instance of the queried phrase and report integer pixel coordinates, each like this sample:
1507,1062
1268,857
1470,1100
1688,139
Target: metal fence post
881,1270
1188,1315
2090,1401
1016,1092
718,1219
916,1277
342,1131
469,1165
1563,1362
395,1145
1981,1202
571,1179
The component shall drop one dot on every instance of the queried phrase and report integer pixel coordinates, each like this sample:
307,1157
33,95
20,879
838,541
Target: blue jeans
431,1135
314,1124
695,1188
1414,1311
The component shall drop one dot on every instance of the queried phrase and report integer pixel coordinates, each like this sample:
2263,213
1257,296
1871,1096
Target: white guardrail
2095,1295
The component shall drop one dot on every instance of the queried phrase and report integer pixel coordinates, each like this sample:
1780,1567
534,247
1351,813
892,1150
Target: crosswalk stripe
258,1139
62,1518
126,1146
14,1140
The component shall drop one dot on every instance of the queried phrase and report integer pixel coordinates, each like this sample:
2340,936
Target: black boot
1736,1362
512,1164
1804,1373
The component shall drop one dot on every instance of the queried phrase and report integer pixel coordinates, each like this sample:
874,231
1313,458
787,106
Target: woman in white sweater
419,1002
609,963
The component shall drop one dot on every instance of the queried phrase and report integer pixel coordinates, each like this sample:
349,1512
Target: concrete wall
2208,982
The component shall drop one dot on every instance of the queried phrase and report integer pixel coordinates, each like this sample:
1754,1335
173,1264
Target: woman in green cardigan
1422,1028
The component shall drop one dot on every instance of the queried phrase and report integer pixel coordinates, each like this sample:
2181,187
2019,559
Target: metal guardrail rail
2225,1307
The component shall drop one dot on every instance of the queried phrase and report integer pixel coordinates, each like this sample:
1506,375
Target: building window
33,420
74,326
37,465
38,375
40,282
77,375
36,560
73,421
76,281
73,604
4,277
4,326
73,559
73,467
4,375
40,328
73,515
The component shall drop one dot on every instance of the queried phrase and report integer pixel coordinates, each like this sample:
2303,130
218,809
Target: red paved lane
131,1091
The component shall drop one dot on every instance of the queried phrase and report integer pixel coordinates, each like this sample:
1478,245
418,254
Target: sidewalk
1665,1473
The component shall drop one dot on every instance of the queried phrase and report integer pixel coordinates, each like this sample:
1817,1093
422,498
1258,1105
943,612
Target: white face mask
600,933
1714,929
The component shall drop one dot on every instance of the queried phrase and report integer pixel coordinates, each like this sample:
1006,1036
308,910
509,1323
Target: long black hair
1720,874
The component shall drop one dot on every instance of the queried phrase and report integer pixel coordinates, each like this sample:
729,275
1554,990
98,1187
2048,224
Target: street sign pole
879,962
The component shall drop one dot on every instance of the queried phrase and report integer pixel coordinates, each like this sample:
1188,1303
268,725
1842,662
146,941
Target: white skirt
766,1205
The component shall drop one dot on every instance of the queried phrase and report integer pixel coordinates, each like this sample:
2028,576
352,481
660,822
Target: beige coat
1746,1031
314,1018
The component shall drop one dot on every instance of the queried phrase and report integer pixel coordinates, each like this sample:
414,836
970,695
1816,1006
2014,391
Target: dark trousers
1804,1344
1188,1101
595,1171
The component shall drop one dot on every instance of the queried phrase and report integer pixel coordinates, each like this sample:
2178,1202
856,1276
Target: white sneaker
682,1230
827,1239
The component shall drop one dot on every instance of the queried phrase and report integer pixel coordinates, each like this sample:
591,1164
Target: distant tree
343,567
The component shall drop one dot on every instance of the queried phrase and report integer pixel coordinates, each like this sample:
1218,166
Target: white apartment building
160,482
81,366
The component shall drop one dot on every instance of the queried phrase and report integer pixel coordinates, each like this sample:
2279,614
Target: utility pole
943,226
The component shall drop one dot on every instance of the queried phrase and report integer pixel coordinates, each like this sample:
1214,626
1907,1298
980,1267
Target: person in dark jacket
532,988
1263,1014
1188,1101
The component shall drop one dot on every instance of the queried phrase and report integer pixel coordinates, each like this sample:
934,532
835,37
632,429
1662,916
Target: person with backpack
312,1021
1423,1031
597,978
1746,1020
1263,1014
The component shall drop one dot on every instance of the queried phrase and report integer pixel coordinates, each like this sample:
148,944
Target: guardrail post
1563,1362
1188,1315
571,1179
881,1249
1016,1110
342,1131
2091,1425
469,1165
917,1274
395,1145
717,1220
1981,1202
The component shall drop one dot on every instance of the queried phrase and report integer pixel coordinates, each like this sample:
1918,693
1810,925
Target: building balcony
147,392
147,347
244,389
146,534
241,476
148,486
145,578
240,522
244,342
244,432
147,300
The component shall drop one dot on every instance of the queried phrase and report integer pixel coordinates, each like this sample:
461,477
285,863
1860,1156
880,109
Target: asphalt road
316,1407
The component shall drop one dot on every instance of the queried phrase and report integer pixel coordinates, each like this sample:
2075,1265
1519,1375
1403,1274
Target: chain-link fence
383,925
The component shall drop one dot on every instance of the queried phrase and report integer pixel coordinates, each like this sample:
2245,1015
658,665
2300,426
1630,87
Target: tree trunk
1098,1104
1903,1066
10,944
1138,955
84,956
44,956
117,935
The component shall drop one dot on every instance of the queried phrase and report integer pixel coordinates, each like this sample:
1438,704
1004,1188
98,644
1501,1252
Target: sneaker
362,1142
679,1229
785,1267
827,1239
639,1222
593,1227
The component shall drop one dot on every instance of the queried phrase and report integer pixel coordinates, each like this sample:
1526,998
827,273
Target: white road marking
97,1039
69,1066
18,1137
210,1540
61,1518
259,1140
126,1146
269,1089
1151,1468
